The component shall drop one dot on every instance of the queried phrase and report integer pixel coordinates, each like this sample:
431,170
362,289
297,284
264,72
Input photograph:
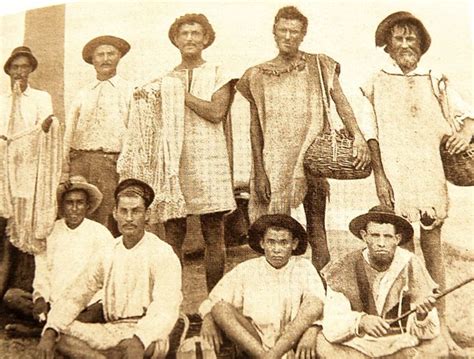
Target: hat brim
402,225
94,195
387,23
34,62
120,44
258,228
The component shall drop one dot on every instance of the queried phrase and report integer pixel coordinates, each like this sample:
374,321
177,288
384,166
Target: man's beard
406,59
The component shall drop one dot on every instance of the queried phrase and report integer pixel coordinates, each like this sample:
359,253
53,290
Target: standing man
141,280
369,288
287,113
204,172
69,247
96,123
409,125
30,155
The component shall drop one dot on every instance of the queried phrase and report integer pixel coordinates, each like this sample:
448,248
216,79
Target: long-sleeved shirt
270,297
143,281
68,251
98,116
35,106
341,321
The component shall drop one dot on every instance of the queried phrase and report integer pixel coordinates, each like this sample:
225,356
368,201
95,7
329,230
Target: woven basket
330,156
458,168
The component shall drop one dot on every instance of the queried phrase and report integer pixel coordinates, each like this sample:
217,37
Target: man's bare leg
315,210
430,242
237,328
76,348
212,227
175,232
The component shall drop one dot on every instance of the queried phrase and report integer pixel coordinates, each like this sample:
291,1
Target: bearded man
409,125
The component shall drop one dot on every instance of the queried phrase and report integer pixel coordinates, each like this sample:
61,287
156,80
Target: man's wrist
50,334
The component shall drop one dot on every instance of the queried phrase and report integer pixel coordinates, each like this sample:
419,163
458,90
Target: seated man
141,280
269,304
370,288
70,245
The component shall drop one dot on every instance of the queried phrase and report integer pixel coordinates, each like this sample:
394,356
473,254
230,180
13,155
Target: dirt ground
460,303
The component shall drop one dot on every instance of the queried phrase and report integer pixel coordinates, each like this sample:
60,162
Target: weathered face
131,216
381,240
404,47
278,244
19,70
191,39
288,36
75,206
105,59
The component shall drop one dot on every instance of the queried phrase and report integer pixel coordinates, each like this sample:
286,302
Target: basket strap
185,319
327,110
442,86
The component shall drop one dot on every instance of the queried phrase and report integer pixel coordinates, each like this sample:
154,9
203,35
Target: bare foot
454,350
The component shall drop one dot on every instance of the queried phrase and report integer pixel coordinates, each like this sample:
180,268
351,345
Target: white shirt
368,121
270,297
98,116
143,281
68,252
36,105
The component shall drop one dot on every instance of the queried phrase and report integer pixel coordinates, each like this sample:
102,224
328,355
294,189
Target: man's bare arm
213,111
311,309
382,184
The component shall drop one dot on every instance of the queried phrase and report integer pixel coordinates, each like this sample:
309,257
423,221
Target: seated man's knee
12,297
222,308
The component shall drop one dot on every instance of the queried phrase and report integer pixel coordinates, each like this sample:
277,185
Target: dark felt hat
80,183
382,214
258,228
190,18
137,187
401,16
21,51
120,44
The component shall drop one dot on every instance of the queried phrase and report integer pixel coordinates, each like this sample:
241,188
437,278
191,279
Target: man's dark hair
291,13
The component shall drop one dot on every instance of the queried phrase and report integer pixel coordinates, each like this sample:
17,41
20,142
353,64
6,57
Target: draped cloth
32,163
153,145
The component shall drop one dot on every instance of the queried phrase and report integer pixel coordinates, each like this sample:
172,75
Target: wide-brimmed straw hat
21,51
137,187
190,18
80,183
258,228
120,44
382,214
387,23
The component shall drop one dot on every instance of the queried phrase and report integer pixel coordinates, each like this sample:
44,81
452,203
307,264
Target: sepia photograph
237,179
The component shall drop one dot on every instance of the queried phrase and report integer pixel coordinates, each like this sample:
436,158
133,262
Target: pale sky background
342,29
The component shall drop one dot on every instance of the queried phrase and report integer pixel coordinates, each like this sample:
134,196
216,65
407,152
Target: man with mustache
409,124
268,305
286,106
369,287
26,124
140,276
96,122
204,170
71,244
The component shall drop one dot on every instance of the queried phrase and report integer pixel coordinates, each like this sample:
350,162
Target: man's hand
46,345
425,307
211,333
457,143
384,191
47,123
40,307
157,349
373,325
262,187
133,348
360,151
307,345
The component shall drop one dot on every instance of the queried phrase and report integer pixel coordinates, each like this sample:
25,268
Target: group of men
127,298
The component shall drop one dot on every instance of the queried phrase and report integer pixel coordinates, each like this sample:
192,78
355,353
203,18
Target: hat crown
381,208
21,49
78,179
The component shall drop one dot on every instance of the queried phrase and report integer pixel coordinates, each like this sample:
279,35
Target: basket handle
327,110
445,105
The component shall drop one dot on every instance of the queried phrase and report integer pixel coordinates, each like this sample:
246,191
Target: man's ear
147,214
206,39
114,213
363,234
261,243
399,237
294,243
